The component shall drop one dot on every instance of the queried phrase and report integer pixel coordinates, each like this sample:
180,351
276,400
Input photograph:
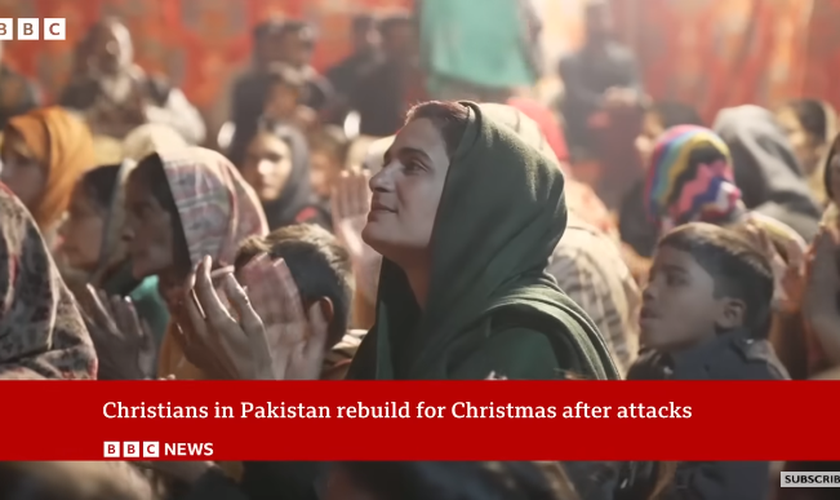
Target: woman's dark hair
151,171
462,480
100,183
812,116
449,117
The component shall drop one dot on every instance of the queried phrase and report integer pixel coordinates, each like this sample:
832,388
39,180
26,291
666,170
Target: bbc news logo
151,449
33,28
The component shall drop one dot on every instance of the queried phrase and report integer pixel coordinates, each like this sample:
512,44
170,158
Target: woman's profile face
267,165
407,191
148,230
22,172
82,231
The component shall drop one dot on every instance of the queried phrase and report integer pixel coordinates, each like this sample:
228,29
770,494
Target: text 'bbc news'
394,410
156,449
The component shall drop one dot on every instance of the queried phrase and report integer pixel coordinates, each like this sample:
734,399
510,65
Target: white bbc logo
131,449
31,28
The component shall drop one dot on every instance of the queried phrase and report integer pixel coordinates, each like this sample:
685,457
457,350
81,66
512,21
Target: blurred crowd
416,212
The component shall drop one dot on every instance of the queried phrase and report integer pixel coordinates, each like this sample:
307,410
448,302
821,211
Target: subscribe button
156,449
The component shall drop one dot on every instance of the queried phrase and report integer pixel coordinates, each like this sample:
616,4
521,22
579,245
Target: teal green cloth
151,307
144,295
481,42
491,306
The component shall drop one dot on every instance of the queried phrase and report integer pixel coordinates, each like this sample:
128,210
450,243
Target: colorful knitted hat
690,178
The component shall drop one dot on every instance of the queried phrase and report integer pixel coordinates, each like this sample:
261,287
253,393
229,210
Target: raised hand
788,271
266,336
124,344
350,206
823,277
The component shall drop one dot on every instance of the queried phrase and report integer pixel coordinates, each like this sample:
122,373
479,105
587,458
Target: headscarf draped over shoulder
42,333
62,142
500,217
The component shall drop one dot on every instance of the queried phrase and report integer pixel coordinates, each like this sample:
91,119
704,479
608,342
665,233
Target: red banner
483,420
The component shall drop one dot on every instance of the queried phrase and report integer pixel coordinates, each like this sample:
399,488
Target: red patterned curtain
719,53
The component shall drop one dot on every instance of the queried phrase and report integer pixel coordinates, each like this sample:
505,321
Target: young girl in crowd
277,166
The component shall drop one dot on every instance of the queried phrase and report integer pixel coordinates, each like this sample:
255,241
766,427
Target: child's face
679,307
324,169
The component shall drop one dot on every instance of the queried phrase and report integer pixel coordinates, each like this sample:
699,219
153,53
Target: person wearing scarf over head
93,250
276,165
466,215
766,169
42,333
44,153
184,204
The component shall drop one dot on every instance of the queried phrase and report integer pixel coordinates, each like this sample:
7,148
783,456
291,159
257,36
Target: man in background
346,73
601,76
116,96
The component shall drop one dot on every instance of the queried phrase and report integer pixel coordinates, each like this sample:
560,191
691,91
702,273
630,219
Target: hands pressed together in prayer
255,330
788,269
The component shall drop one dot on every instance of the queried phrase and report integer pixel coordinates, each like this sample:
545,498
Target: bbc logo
29,28
131,449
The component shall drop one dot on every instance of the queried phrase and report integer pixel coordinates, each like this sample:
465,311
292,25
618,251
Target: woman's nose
381,181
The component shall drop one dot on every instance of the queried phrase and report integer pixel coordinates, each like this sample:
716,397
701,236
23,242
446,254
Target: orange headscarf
64,144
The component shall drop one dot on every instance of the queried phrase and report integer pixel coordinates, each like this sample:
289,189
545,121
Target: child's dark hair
100,184
319,265
449,117
461,480
739,269
150,170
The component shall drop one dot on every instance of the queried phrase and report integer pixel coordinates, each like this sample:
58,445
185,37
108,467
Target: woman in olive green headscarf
466,215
